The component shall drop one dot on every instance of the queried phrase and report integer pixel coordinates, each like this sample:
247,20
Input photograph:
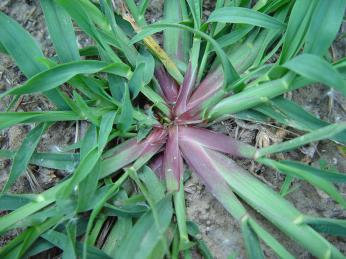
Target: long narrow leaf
145,235
321,133
129,151
105,129
325,24
60,74
299,171
291,114
217,141
24,153
271,205
335,227
252,244
317,69
230,73
25,51
61,31
172,161
296,29
8,119
244,15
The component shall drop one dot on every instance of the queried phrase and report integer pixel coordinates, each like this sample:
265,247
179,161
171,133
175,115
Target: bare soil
220,231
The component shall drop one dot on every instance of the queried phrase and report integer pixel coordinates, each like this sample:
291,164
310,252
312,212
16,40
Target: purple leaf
210,85
129,151
216,169
216,141
200,162
168,85
185,90
173,161
157,166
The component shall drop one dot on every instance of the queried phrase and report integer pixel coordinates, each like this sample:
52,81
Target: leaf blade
24,153
245,16
61,31
317,69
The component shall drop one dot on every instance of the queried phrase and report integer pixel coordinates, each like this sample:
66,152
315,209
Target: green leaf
41,216
25,51
125,119
193,231
90,233
134,10
196,11
234,36
270,38
21,46
143,132
2,49
317,69
291,114
230,74
7,119
155,188
129,50
60,161
70,250
84,168
125,210
85,13
66,162
93,88
307,174
321,133
175,42
60,240
297,27
42,200
285,187
335,227
269,240
60,74
13,201
117,87
143,73
95,24
145,235
252,244
180,214
61,31
157,100
325,23
88,186
24,153
18,246
106,127
84,110
143,6
333,177
252,96
246,16
118,231
39,246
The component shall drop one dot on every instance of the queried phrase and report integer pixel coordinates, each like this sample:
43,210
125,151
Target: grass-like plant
149,108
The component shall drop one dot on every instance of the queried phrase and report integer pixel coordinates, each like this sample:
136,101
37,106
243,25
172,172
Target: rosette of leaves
149,107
